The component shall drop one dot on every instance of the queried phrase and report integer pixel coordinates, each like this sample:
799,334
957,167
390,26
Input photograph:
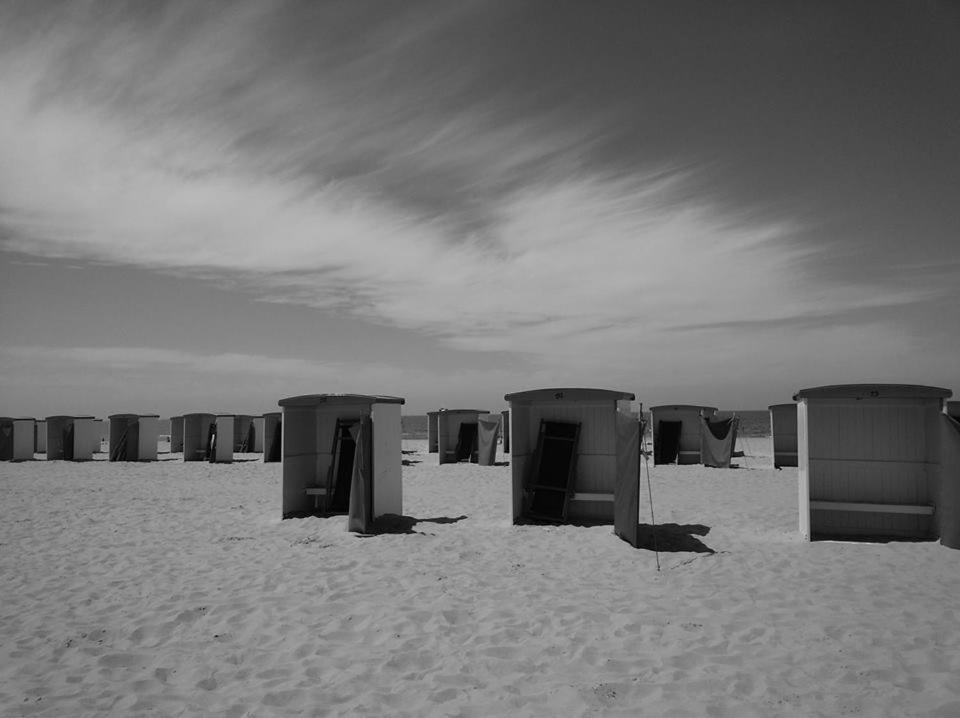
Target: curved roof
197,413
792,405
68,416
873,391
694,407
318,399
133,416
17,418
271,413
462,411
569,394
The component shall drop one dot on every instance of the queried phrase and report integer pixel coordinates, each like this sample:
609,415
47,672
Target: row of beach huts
875,461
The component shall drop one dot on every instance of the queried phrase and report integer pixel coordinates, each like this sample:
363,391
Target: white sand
175,589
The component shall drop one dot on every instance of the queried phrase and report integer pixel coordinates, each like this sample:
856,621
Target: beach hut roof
317,399
133,416
695,407
461,411
782,406
860,391
17,418
71,416
271,413
572,393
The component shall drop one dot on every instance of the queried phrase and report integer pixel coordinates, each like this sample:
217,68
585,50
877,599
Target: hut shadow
409,462
501,463
395,524
673,538
412,451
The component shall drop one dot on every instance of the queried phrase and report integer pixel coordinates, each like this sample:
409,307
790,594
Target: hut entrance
6,441
554,466
466,442
211,451
273,452
341,470
667,448
67,438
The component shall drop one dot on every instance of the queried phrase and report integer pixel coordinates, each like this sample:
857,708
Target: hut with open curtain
17,438
133,437
341,454
432,447
677,430
243,437
575,458
457,435
176,434
40,436
208,437
874,463
783,431
272,437
70,438
488,433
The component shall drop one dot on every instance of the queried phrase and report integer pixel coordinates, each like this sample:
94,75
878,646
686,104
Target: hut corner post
803,470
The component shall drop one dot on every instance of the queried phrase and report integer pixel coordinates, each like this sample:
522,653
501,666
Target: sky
212,206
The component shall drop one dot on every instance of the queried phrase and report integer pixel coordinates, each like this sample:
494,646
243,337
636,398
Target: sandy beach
175,589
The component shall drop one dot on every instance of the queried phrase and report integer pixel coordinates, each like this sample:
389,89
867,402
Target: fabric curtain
488,429
717,440
360,515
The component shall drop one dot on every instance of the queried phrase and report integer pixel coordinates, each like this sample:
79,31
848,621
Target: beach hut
677,432
488,432
432,431
40,434
272,437
575,458
505,430
133,437
257,435
243,433
176,434
457,435
200,437
341,454
16,438
783,430
70,438
869,458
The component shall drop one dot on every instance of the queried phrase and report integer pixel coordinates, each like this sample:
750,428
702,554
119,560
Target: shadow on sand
673,538
394,524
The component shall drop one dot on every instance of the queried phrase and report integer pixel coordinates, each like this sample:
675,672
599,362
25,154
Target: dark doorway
667,446
466,442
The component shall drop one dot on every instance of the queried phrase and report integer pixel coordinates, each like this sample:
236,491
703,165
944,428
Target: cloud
182,142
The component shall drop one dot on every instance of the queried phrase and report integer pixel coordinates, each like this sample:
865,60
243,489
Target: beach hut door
341,469
667,446
554,467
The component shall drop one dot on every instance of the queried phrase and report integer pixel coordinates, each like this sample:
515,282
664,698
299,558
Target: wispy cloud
193,141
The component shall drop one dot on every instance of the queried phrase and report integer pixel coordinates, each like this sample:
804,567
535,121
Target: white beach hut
432,431
341,454
40,437
17,438
272,437
457,435
870,460
133,437
575,457
257,434
676,432
176,434
783,430
202,437
70,438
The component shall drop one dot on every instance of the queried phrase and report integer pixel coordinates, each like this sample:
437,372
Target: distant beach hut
488,431
457,435
40,434
870,461
202,437
575,457
783,430
272,437
16,438
505,430
176,434
676,432
133,437
70,438
341,454
257,435
243,433
432,445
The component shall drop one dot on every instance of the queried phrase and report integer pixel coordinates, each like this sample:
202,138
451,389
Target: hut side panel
176,434
224,449
388,460
149,430
948,503
40,446
783,427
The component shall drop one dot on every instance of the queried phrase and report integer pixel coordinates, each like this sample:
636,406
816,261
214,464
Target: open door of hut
626,492
360,515
554,467
466,442
341,467
666,447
